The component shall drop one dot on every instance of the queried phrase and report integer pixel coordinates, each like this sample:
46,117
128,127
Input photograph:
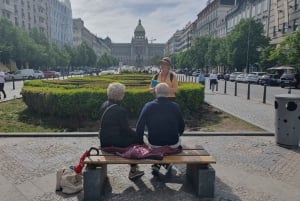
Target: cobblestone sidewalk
247,169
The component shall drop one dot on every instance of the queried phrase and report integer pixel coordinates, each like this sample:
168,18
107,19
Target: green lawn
14,117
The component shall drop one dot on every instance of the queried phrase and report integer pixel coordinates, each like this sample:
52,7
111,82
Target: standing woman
2,81
166,76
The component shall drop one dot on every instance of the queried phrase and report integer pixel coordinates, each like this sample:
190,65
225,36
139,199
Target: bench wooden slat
189,152
175,159
196,147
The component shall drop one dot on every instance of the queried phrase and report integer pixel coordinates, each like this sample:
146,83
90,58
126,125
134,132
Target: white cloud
118,18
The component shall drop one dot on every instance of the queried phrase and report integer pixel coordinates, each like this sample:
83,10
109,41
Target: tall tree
244,41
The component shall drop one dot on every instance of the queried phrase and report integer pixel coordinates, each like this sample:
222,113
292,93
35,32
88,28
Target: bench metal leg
93,182
202,178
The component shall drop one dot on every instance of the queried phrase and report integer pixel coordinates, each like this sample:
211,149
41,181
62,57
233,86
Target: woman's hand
151,90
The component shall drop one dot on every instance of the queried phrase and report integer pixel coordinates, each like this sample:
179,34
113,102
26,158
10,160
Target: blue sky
118,18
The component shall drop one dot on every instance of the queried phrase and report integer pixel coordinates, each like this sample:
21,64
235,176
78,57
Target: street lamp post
248,44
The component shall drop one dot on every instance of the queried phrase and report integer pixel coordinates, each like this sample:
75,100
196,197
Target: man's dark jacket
164,121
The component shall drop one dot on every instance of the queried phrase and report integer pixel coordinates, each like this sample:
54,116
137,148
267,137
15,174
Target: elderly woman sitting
114,126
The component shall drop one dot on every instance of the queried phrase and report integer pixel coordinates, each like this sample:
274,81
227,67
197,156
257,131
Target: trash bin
287,120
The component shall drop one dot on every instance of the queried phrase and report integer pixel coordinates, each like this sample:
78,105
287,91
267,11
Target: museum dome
139,28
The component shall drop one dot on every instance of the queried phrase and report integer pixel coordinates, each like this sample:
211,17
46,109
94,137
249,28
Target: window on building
274,31
295,25
296,4
284,28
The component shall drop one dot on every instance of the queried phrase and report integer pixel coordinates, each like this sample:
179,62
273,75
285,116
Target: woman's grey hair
116,91
162,90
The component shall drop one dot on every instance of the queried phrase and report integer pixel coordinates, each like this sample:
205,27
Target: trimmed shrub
81,98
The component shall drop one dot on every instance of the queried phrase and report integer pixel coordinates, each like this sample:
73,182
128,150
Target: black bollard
235,88
225,87
290,90
248,94
217,86
265,93
13,80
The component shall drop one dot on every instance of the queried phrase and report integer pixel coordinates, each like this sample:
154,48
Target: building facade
211,20
284,19
51,17
256,9
26,14
139,52
82,35
60,25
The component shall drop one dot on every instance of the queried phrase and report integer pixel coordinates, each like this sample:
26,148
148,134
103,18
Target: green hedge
80,98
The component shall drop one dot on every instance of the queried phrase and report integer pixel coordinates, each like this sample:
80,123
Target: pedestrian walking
213,79
201,78
2,81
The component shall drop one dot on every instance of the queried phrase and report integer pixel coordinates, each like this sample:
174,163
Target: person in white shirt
213,78
2,81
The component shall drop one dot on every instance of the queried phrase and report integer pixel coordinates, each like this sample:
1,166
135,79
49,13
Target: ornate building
139,52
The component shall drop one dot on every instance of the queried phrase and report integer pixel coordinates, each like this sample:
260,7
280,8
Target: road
256,91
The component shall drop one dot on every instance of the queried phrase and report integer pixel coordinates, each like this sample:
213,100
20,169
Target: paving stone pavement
249,168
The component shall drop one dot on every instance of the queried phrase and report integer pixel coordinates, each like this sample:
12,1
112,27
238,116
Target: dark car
226,76
290,80
220,76
270,79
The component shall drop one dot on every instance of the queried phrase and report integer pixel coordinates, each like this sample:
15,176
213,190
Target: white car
241,78
8,76
38,74
76,72
233,76
255,76
23,74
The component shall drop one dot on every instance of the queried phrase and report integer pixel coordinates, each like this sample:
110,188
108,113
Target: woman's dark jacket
115,130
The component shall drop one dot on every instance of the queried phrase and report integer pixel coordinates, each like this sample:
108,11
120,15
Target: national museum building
139,52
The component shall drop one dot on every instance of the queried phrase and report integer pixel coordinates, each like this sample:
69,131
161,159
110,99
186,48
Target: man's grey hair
116,91
162,90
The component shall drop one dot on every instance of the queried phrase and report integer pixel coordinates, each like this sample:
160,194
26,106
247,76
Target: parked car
38,74
220,76
270,79
233,76
8,76
23,74
57,74
290,80
226,76
50,74
76,72
254,77
241,78
196,73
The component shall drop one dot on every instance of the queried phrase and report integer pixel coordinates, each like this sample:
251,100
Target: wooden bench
198,171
